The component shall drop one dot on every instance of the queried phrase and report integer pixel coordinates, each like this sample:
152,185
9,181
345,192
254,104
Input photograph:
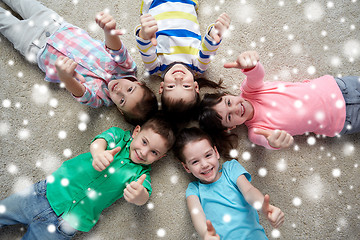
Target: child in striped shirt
95,73
170,45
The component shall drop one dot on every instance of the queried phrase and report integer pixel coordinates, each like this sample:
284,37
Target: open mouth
207,171
178,71
138,157
242,109
113,87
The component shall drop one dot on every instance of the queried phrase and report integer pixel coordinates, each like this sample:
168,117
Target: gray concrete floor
290,36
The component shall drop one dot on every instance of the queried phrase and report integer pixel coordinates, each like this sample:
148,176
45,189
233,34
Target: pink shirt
314,105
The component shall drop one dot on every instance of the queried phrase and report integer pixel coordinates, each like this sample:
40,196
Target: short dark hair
160,125
178,109
210,122
187,135
144,109
182,111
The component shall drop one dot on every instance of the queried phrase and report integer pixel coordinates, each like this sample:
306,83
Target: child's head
179,91
151,141
224,111
198,155
133,99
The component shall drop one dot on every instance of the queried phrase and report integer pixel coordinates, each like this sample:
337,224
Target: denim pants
31,207
350,88
30,34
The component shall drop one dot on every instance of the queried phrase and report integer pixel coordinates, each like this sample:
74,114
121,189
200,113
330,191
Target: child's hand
221,25
211,232
135,192
245,60
65,68
272,213
107,23
277,138
149,28
102,159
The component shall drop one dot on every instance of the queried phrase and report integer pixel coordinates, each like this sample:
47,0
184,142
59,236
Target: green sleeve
147,181
112,136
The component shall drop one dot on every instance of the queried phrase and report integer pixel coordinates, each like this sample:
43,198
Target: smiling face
125,93
234,111
147,146
202,160
179,84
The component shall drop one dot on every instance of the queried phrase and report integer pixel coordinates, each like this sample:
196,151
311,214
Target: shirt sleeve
193,189
207,50
148,53
112,136
147,181
93,95
254,78
123,59
234,169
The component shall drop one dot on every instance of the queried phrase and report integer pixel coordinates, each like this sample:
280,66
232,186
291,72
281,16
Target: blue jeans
31,207
350,88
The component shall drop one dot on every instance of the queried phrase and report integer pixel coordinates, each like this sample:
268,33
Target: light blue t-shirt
225,206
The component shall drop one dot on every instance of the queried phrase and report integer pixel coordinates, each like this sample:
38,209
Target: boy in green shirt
73,197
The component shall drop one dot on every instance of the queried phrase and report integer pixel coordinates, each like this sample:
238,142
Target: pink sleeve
254,78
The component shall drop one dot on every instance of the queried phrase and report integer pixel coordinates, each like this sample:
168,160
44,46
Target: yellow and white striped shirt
178,37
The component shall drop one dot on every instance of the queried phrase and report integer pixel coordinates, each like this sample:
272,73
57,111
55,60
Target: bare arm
197,214
251,194
255,198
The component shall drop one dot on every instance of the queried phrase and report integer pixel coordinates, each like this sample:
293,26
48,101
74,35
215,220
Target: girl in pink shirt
276,111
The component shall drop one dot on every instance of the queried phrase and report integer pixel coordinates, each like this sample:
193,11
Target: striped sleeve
207,50
148,53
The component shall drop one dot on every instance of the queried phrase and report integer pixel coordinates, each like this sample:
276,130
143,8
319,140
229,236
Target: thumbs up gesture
245,60
135,192
102,159
272,213
211,233
149,28
276,138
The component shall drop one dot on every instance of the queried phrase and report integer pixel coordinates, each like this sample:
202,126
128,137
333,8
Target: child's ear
186,168
136,131
196,87
217,153
161,89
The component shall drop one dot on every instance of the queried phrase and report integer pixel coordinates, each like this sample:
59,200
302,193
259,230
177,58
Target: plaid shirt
96,63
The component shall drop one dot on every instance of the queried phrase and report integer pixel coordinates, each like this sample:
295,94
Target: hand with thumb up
102,159
211,232
276,138
272,213
136,193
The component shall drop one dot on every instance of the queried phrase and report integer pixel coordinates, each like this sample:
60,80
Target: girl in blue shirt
222,203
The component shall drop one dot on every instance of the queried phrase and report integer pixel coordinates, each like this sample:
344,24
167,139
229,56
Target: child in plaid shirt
95,73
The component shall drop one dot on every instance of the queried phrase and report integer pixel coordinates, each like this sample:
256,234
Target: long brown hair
210,121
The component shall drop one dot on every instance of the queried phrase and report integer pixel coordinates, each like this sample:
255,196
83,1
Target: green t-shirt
80,193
